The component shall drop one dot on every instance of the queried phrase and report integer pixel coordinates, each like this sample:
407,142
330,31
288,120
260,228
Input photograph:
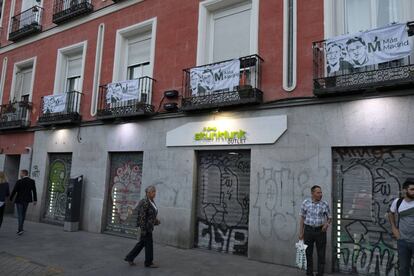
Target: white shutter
231,33
26,82
74,67
139,50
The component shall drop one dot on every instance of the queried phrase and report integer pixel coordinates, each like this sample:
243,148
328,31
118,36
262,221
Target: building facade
227,106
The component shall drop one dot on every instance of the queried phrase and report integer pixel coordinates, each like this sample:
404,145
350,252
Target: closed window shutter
26,82
231,34
138,51
74,67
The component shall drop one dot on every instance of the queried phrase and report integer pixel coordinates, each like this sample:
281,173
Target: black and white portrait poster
367,48
215,78
122,91
54,103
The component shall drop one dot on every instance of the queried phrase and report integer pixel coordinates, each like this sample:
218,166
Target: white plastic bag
301,254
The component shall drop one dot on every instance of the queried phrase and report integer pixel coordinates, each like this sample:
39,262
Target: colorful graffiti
366,182
59,175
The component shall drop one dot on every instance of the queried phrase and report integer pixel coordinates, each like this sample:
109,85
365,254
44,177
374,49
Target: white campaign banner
54,103
122,91
215,78
367,48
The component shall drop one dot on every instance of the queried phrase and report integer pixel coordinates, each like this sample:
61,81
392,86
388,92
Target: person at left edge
25,192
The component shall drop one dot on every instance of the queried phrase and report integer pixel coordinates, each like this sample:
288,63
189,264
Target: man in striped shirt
315,218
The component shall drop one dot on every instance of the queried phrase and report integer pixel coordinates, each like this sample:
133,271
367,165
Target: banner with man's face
54,103
367,48
215,78
122,91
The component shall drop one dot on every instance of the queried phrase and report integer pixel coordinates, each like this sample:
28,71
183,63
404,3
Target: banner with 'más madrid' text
367,48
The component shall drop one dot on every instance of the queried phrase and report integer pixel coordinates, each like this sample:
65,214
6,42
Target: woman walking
4,193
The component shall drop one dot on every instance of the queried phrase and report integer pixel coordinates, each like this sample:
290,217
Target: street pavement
46,249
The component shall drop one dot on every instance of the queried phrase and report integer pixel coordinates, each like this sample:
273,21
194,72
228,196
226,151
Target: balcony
26,23
15,115
227,83
65,10
126,99
60,109
395,74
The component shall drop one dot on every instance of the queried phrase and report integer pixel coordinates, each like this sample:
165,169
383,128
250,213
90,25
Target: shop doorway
57,183
223,180
124,193
365,182
11,169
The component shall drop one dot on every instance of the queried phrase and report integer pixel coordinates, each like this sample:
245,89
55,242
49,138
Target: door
11,169
124,193
57,183
223,201
365,181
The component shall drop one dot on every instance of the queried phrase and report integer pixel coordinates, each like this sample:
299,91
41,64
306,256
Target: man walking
315,217
403,230
25,191
147,218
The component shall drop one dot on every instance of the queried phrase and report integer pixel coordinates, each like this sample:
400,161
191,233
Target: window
22,83
1,12
74,71
227,29
350,16
30,15
138,60
134,51
69,68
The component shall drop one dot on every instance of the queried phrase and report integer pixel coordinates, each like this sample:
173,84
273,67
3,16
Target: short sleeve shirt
406,221
315,213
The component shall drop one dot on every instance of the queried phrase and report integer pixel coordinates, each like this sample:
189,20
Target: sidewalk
47,250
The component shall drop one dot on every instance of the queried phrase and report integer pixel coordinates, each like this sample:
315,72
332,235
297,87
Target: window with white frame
73,73
227,29
69,68
350,16
29,16
134,51
22,83
138,61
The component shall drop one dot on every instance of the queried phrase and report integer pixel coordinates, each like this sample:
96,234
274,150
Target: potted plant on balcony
245,89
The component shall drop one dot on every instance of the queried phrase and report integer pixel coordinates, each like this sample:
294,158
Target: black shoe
129,262
20,232
152,266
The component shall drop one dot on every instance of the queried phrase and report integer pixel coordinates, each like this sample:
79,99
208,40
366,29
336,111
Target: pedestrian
25,192
403,230
4,193
315,218
147,219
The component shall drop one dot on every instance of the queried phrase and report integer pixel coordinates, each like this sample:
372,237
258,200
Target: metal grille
223,201
26,23
124,193
58,180
366,180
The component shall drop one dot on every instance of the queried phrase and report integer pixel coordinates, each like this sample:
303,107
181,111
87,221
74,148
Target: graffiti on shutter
124,193
58,180
223,201
365,182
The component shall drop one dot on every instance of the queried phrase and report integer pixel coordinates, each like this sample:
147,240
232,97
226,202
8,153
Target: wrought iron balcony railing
14,115
64,10
205,86
393,74
26,23
60,109
117,100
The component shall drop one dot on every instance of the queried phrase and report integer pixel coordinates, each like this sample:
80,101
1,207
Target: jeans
311,236
21,214
1,213
145,241
405,253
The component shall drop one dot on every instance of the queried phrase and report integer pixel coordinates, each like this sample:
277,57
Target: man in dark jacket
147,218
25,191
